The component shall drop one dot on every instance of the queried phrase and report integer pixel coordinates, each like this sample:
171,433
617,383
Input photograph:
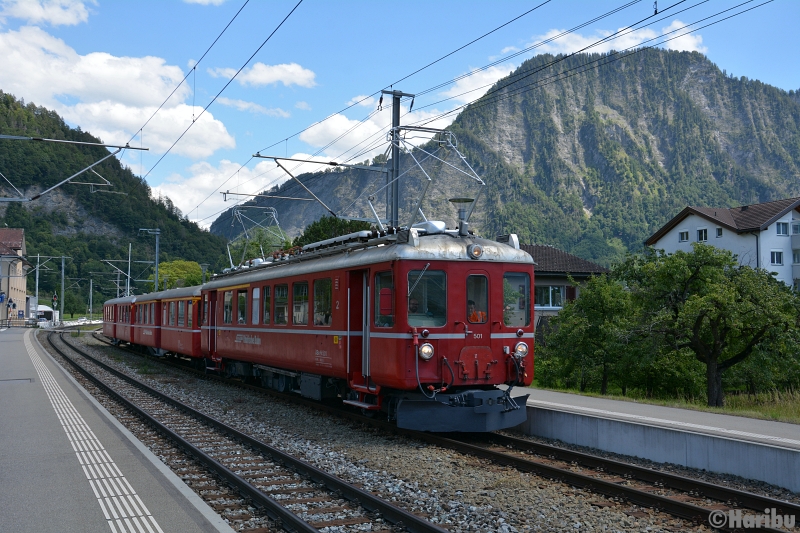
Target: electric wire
223,88
617,34
194,67
616,56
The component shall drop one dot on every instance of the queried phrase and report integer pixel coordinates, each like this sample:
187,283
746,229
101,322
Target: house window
702,235
796,257
719,233
782,228
549,296
776,257
683,236
795,228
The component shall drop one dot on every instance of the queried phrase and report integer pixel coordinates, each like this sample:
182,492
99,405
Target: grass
780,406
145,368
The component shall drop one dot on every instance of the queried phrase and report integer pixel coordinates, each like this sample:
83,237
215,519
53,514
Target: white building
761,235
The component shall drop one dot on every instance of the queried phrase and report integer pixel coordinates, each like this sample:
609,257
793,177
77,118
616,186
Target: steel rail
667,479
392,513
676,508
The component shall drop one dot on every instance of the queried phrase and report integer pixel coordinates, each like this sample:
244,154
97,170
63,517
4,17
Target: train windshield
427,300
516,299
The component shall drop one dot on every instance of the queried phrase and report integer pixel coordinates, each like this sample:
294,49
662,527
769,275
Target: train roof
359,251
182,292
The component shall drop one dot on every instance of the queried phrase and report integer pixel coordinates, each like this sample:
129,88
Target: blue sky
106,66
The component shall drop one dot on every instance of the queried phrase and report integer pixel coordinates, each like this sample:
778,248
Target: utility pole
393,192
157,233
61,314
204,267
90,299
128,280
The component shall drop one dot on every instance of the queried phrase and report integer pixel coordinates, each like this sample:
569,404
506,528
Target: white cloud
202,180
303,105
573,42
688,43
477,83
55,12
253,107
109,96
362,100
261,74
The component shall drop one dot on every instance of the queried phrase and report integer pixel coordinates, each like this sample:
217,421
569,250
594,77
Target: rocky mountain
596,152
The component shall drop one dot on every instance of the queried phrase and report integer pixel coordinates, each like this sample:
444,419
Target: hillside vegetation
594,163
73,221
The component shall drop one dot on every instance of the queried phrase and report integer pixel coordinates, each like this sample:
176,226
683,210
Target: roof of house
552,260
11,240
743,219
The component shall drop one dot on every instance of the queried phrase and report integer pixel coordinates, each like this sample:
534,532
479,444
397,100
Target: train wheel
281,383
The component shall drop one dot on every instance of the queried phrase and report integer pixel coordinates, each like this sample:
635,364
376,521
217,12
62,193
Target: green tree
592,335
329,227
174,274
259,243
73,304
704,302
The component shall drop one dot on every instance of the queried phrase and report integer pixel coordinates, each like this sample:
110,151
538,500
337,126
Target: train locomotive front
432,327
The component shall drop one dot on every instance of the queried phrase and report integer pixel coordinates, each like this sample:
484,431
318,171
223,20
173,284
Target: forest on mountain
86,226
594,161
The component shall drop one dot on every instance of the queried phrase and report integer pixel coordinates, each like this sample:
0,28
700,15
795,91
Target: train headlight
520,350
474,251
426,351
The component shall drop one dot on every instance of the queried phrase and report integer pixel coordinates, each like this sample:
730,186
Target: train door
358,328
476,360
211,316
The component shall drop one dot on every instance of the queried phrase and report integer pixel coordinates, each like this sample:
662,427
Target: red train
422,324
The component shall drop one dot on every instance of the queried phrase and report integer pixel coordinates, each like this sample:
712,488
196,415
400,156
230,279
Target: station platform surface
755,449
721,425
67,465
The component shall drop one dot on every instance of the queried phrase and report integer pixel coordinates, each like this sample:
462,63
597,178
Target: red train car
424,325
117,319
180,328
147,322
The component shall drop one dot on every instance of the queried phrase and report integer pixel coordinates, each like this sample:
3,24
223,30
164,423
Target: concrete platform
67,465
754,449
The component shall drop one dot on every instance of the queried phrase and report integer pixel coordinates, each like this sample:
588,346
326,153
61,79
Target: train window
516,299
164,315
241,300
256,304
300,303
427,302
322,302
172,313
267,303
227,308
477,299
204,310
189,313
152,313
281,303
181,312
384,300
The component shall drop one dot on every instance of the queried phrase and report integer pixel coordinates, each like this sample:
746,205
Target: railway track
295,495
679,496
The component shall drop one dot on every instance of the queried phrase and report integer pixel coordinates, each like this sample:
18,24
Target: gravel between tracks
461,493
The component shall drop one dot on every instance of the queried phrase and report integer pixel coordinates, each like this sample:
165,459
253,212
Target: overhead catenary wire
556,77
194,67
224,87
615,56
